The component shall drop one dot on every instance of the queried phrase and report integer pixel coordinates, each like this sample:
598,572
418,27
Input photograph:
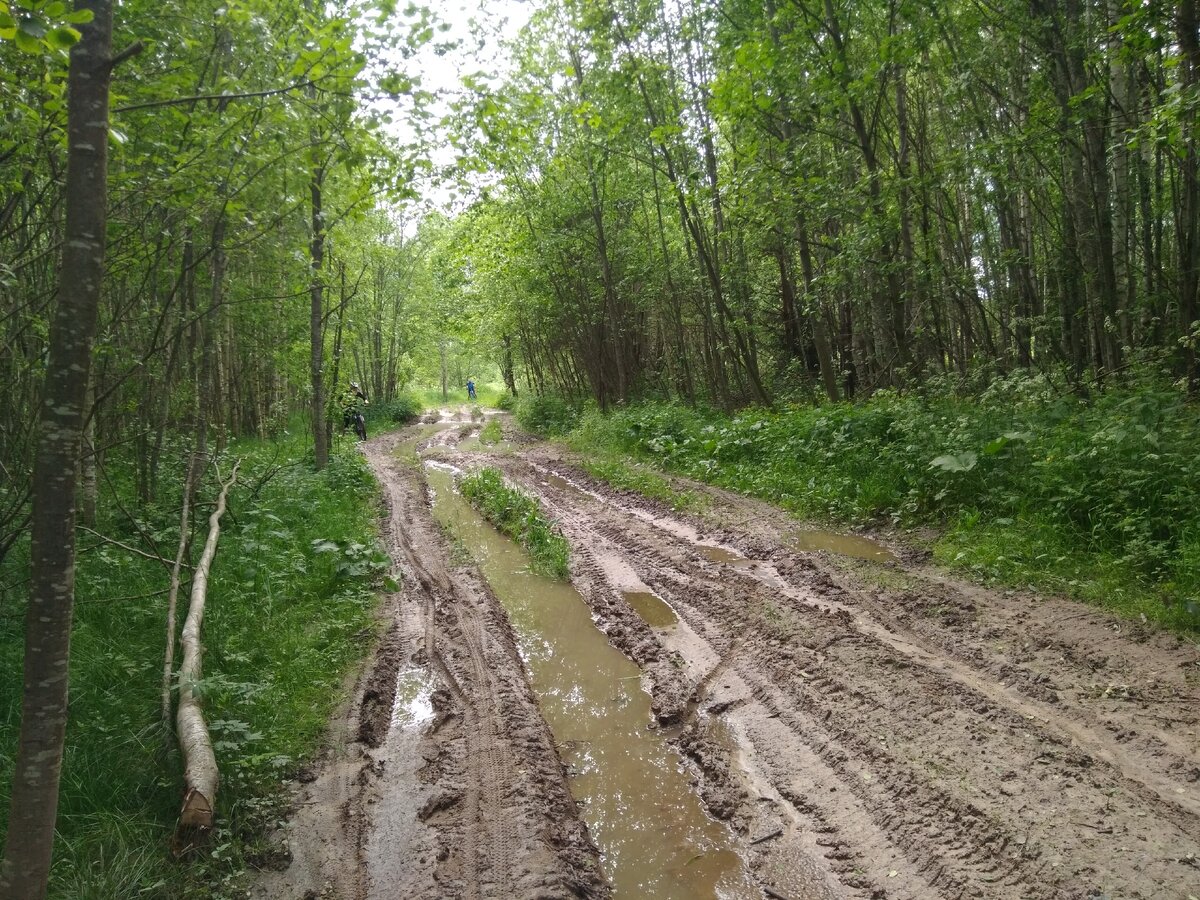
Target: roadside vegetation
1029,485
400,410
290,607
518,516
619,471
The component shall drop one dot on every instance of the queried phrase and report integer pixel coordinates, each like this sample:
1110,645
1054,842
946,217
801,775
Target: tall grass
1098,499
289,610
518,515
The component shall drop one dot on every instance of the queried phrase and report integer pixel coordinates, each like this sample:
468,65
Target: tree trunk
1189,212
316,323
26,869
89,490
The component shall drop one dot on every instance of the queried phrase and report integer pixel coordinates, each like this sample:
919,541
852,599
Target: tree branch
179,101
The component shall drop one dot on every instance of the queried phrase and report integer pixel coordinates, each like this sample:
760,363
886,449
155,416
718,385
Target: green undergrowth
289,612
491,394
517,515
548,415
1096,499
626,474
400,410
491,433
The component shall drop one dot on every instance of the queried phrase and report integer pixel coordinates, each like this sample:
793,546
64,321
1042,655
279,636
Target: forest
919,265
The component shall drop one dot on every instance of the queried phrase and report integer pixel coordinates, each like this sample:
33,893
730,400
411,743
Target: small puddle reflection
843,544
561,483
413,705
653,609
721,555
656,841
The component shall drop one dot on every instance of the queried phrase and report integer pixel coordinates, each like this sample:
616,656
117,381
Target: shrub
547,415
401,409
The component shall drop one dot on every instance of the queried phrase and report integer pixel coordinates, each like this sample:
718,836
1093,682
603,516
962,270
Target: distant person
353,400
471,388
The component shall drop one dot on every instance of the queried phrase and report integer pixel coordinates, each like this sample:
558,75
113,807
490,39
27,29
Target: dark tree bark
26,867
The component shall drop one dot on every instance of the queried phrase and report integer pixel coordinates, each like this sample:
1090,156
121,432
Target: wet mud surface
863,725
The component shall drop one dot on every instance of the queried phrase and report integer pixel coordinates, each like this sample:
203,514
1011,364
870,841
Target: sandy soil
868,730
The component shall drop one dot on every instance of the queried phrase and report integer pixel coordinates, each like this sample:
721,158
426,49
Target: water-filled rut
654,837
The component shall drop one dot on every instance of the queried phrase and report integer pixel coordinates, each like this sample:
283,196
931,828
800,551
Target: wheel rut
928,765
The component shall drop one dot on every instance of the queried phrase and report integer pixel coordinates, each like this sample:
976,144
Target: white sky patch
479,31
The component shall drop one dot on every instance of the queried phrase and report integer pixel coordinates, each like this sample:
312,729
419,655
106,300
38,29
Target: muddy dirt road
852,727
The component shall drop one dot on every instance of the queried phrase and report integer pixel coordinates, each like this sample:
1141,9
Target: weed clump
518,516
491,433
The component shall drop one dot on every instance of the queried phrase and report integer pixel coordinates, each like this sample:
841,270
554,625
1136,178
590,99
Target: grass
289,611
518,516
491,433
625,474
1095,499
491,395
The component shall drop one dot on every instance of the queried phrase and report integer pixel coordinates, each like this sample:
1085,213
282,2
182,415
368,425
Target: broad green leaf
955,462
33,26
62,38
27,43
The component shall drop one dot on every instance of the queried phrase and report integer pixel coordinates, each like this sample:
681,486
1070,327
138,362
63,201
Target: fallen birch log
200,775
173,594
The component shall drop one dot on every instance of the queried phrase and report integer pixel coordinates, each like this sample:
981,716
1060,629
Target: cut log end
195,824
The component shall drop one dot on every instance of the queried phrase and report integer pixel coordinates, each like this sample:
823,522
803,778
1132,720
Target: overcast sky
480,28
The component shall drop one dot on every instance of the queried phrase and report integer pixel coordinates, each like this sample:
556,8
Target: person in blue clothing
471,388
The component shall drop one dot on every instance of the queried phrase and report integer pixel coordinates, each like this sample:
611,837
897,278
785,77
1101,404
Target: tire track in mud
505,822
473,804
920,770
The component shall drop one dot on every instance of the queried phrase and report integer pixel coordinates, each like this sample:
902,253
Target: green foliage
1109,487
289,611
491,433
622,473
506,401
400,411
518,516
546,414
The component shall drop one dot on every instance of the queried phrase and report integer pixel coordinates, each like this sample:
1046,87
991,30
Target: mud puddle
724,555
655,839
842,544
655,611
413,705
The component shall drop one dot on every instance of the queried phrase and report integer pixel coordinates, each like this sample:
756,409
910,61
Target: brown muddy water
656,841
723,555
655,611
843,544
413,704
